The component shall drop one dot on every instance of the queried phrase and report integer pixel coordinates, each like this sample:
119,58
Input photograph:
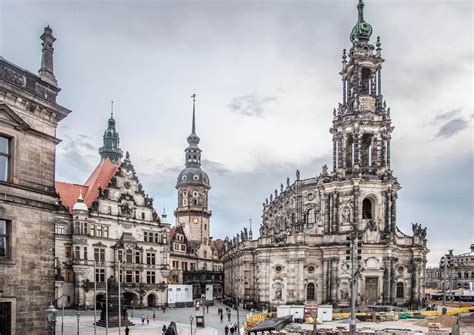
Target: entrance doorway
371,289
151,300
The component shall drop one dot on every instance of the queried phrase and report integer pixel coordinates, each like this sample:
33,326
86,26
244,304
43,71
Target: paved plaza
180,315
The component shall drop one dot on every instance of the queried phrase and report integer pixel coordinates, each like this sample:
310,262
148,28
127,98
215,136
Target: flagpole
119,300
106,302
95,297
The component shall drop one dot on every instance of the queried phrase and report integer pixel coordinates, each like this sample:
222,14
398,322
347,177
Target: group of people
232,329
220,311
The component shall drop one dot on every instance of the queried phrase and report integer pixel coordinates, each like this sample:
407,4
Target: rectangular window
60,230
164,240
157,238
67,251
99,231
150,258
176,246
183,247
143,215
77,228
120,256
99,255
150,277
165,259
4,158
129,276
137,276
145,236
4,238
137,257
100,275
77,252
85,253
85,228
106,232
92,230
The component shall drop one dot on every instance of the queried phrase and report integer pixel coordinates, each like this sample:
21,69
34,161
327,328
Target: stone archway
131,299
152,300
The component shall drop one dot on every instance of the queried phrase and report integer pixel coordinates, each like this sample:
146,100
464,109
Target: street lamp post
191,323
78,316
51,319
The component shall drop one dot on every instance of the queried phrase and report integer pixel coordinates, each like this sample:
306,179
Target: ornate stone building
459,273
300,256
194,254
29,116
106,221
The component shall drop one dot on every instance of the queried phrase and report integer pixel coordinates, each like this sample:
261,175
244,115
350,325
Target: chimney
46,71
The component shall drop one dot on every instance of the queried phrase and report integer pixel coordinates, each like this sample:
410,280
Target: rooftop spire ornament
362,30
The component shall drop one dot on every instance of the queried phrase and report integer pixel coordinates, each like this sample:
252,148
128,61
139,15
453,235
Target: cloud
250,105
447,115
451,128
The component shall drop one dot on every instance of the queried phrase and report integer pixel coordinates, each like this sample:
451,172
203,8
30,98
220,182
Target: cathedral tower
111,147
193,186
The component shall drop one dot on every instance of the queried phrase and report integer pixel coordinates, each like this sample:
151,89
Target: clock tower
192,212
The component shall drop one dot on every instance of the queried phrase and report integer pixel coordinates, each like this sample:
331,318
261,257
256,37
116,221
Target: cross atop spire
194,113
112,109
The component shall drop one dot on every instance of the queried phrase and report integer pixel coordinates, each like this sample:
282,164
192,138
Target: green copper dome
362,30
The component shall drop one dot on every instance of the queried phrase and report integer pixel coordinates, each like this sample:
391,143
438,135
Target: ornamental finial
362,30
194,112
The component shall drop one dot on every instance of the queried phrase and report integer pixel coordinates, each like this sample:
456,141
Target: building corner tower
193,185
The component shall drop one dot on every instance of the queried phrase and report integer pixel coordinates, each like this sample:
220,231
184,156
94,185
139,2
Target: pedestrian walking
226,329
163,329
207,308
232,330
154,316
127,330
222,317
228,316
148,319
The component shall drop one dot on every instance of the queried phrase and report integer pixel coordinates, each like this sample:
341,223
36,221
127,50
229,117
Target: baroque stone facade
29,116
194,253
106,221
301,254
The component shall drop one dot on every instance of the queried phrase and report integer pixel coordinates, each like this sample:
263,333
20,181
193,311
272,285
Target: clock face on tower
195,220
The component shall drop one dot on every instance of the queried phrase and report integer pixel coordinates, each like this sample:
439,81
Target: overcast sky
266,78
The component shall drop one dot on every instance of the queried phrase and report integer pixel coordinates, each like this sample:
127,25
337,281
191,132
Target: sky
266,78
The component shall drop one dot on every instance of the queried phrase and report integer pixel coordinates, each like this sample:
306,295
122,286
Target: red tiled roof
100,177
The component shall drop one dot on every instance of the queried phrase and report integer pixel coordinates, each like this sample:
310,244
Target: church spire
111,138
46,71
193,153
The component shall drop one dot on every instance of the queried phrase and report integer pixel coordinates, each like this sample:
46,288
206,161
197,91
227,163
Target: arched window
400,291
310,292
311,217
367,209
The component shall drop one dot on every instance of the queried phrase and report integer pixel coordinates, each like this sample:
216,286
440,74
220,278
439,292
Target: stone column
357,143
334,266
388,152
330,212
394,213
386,280
415,283
344,151
339,153
334,153
389,210
393,287
335,212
